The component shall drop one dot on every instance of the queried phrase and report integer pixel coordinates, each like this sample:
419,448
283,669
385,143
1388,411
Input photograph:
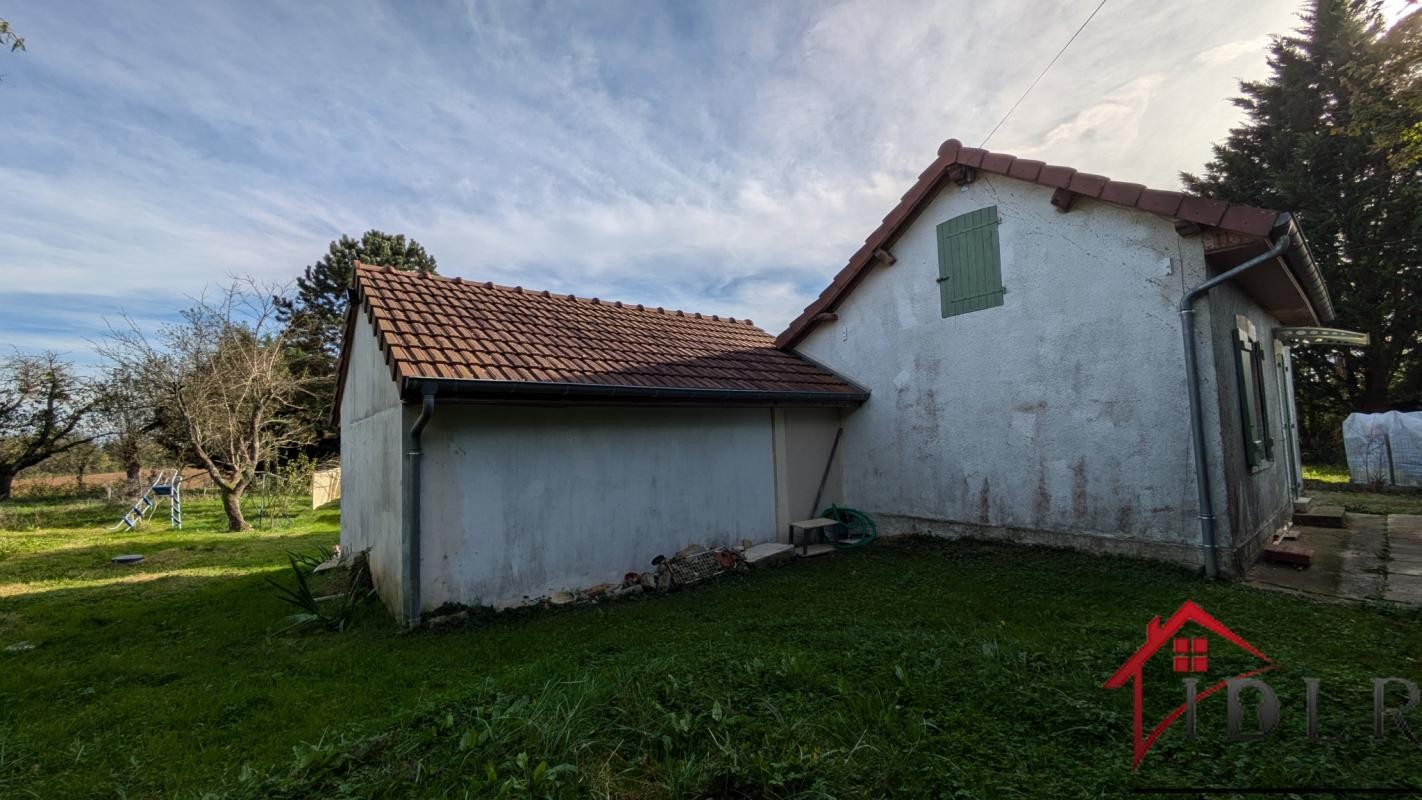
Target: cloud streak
726,157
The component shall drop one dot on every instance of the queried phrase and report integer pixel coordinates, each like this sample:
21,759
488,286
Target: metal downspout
410,541
1192,379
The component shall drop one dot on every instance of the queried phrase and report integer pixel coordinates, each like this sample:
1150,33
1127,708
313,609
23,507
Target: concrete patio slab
1347,562
1404,568
1405,525
1404,589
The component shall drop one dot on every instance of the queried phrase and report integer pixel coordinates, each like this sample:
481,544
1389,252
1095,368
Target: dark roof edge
352,308
513,391
1300,261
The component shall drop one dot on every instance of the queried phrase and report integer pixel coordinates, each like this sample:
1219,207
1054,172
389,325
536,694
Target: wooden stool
806,529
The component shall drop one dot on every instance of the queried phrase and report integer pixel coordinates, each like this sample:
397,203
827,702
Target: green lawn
1330,486
1327,473
912,668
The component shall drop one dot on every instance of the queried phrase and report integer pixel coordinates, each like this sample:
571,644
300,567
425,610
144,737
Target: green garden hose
861,529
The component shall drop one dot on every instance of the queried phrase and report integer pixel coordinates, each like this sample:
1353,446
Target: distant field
192,478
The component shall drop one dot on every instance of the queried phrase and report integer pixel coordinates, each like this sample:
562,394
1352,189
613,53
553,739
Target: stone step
1323,517
1302,505
1294,555
768,553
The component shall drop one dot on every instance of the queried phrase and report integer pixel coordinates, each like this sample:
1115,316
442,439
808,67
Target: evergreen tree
1335,135
315,317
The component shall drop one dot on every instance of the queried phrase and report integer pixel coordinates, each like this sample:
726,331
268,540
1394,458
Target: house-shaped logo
1189,655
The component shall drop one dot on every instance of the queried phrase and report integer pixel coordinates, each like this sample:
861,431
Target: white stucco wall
521,502
803,440
371,437
1252,503
1060,417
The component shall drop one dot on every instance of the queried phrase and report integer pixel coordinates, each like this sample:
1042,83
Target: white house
1004,356
1018,326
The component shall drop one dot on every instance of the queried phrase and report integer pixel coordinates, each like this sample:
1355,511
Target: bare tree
78,461
130,419
8,36
42,403
222,379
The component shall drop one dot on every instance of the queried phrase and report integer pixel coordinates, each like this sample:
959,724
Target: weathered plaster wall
371,437
521,502
1058,418
803,439
1255,502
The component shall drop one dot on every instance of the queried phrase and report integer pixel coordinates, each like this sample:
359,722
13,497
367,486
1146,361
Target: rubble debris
691,564
594,592
448,619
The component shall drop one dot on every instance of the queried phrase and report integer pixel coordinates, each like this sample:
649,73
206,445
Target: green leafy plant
332,612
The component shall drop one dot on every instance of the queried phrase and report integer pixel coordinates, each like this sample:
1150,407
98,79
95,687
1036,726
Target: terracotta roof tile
1025,169
1205,211
1159,202
1121,193
1202,210
1088,184
1059,177
454,329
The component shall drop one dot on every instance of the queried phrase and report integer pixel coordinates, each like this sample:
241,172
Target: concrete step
1323,517
768,553
812,550
1294,555
1302,505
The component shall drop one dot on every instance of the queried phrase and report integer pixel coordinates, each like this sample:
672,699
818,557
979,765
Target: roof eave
493,391
1300,261
352,309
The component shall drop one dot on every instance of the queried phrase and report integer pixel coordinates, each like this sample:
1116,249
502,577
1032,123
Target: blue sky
721,157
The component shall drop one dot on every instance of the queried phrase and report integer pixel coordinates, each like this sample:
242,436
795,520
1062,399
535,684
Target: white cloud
721,158
1112,122
1226,53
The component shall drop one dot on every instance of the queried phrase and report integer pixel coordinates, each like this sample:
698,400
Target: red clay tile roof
499,338
1204,211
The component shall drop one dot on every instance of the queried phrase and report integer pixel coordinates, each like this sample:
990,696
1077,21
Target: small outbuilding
500,444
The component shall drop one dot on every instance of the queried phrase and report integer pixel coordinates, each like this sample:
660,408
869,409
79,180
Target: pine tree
1335,135
315,317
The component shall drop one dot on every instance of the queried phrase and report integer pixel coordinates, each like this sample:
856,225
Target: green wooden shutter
1264,435
1244,370
969,263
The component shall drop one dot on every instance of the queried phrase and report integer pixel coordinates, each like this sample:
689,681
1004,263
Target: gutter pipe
410,539
1192,379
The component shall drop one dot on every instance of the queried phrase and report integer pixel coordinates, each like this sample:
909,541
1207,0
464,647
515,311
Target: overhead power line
1043,72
